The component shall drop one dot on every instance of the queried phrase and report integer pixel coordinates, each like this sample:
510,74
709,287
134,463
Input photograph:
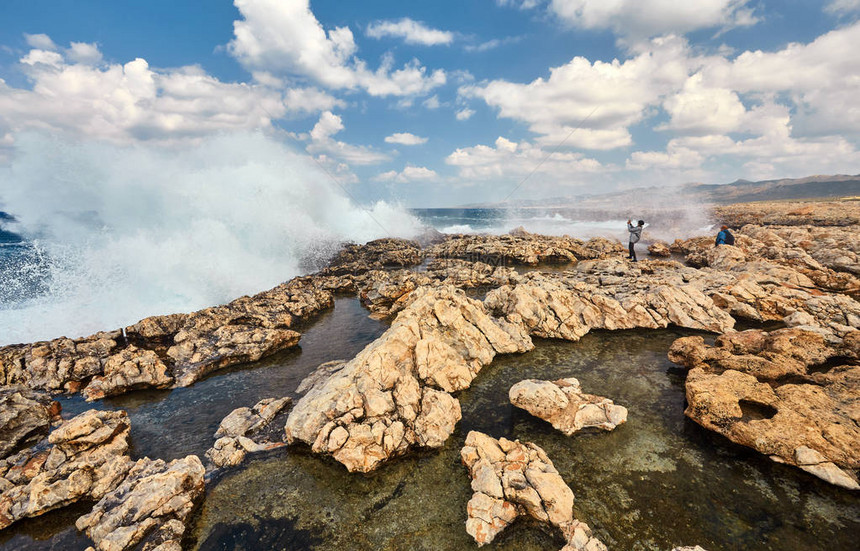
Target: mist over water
120,233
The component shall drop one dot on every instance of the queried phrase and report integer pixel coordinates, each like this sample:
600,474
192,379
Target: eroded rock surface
659,249
375,255
148,510
780,394
395,394
84,458
247,430
164,351
620,297
25,417
513,479
563,405
521,247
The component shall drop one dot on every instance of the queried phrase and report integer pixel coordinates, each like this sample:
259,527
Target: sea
99,236
51,287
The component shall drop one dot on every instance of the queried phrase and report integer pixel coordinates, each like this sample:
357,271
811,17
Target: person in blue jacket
725,237
635,235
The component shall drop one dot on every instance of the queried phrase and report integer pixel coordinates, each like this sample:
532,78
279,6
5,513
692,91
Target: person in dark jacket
635,235
725,237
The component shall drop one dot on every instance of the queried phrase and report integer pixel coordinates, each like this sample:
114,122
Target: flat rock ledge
168,351
149,509
563,405
522,247
396,393
513,479
248,430
790,394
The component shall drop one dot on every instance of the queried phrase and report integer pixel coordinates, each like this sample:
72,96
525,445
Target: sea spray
119,233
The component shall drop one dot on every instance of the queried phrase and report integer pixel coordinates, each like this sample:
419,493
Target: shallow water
658,481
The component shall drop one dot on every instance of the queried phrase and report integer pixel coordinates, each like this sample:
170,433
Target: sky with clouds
451,102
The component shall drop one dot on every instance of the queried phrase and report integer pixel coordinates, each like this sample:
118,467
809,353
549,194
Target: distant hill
740,191
744,191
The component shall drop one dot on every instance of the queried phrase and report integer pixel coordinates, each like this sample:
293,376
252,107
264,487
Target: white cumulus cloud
638,19
286,38
409,174
405,138
322,144
600,100
412,32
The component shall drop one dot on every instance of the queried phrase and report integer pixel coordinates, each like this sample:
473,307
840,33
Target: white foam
138,231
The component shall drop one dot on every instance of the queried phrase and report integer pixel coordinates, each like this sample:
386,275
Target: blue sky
444,103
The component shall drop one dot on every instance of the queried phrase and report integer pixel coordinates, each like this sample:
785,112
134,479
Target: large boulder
563,405
780,394
247,430
396,393
25,417
513,479
149,509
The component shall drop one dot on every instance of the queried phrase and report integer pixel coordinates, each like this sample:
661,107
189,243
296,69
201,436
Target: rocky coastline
790,393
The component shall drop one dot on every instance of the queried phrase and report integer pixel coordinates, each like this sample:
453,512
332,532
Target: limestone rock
163,350
25,416
513,479
829,214
523,248
659,249
127,370
247,430
563,404
766,391
148,510
568,307
83,458
467,275
385,293
375,255
395,394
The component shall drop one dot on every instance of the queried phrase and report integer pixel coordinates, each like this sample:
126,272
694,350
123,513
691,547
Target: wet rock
58,365
148,510
84,458
320,375
245,430
395,394
197,353
522,247
244,330
163,350
563,405
513,479
127,370
766,391
25,417
659,249
375,255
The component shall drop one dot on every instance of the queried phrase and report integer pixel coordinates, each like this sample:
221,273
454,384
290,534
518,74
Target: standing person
635,235
725,237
